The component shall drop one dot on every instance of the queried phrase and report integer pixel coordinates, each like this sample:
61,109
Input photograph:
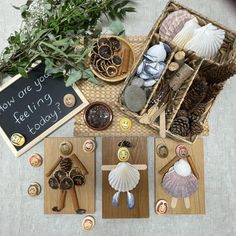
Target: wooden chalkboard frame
39,138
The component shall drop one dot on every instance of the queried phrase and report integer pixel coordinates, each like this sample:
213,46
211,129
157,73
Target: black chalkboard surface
34,107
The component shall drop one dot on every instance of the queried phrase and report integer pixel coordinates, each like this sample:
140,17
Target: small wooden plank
138,153
197,200
85,193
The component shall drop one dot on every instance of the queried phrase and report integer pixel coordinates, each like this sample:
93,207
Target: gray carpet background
23,216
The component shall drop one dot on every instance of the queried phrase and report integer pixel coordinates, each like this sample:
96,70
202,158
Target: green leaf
23,72
48,6
73,77
88,74
117,27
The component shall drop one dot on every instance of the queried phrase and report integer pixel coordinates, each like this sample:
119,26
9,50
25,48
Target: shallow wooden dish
130,60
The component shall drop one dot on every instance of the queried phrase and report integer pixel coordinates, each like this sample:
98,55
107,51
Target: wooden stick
125,61
62,199
164,169
173,202
79,164
111,167
194,169
172,69
179,57
74,199
187,202
54,166
183,74
163,124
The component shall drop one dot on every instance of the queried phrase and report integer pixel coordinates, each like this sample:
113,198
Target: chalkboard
34,107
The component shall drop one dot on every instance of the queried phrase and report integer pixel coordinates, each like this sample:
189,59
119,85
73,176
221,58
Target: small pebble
149,83
135,98
137,82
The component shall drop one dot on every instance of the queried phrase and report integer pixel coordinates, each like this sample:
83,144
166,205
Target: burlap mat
109,94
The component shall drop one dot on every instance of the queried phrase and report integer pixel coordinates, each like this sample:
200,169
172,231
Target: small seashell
173,23
150,70
149,83
115,199
186,33
167,48
182,168
206,41
156,53
178,186
137,82
124,177
145,76
140,68
130,200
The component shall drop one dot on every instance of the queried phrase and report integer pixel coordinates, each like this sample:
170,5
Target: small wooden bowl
105,122
124,46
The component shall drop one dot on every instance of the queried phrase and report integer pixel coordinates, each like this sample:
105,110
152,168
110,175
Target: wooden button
34,189
123,154
125,124
66,148
181,151
162,150
17,139
36,160
89,145
69,100
88,223
161,207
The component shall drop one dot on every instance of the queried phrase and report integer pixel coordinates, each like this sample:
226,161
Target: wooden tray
197,200
85,193
138,156
124,45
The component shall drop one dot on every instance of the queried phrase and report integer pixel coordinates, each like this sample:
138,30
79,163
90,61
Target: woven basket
226,54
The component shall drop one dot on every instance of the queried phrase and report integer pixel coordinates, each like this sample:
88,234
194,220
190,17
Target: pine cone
219,74
197,112
66,164
196,94
180,126
194,118
196,128
182,113
212,91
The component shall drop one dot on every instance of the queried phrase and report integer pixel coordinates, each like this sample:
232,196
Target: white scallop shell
173,23
124,177
186,33
182,168
156,53
206,41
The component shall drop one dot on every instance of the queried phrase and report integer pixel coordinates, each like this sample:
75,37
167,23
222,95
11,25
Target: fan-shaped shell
124,177
206,41
173,23
186,33
178,186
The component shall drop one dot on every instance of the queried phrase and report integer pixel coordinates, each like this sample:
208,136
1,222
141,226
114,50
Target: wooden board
34,107
197,200
85,193
138,156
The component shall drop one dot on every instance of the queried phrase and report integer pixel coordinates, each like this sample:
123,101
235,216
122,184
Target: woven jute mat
109,94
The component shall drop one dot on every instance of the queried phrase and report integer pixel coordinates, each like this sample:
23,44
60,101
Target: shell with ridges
124,177
186,33
206,41
178,186
173,23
